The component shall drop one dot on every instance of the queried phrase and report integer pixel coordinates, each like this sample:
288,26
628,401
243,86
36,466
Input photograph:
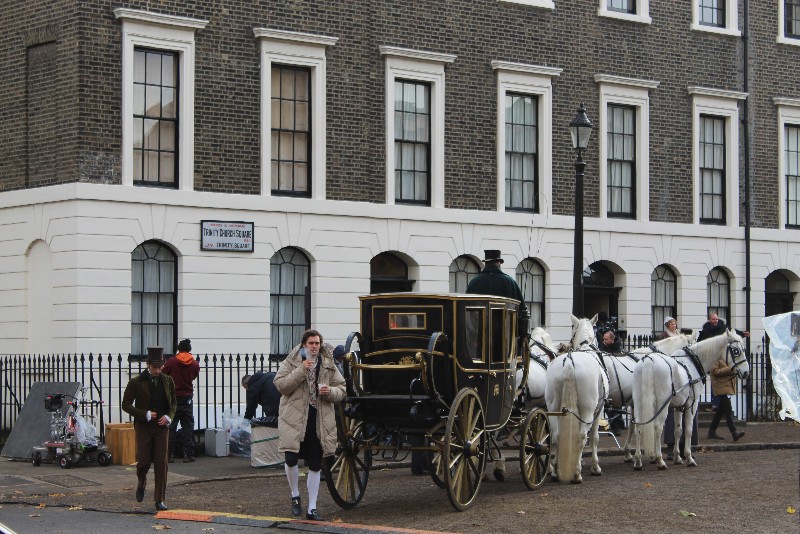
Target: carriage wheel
437,466
348,472
464,454
534,448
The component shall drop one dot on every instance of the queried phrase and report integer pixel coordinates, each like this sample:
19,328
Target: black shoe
140,494
313,515
296,506
160,506
737,436
714,435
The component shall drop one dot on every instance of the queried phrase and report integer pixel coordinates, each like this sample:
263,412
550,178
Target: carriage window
407,321
473,333
498,314
510,322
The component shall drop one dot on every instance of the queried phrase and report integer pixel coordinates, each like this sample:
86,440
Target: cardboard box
217,442
121,443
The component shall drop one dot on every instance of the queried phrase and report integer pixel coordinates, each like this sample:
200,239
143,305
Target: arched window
663,296
154,292
530,277
289,300
388,274
778,297
462,270
719,294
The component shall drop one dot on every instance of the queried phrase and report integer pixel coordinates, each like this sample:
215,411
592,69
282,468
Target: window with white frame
154,297
621,160
415,93
715,154
711,157
293,110
289,299
789,161
157,98
462,270
623,142
789,22
718,293
663,297
630,10
716,16
531,281
524,132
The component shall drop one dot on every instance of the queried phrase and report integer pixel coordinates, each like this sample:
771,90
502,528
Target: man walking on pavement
184,370
150,399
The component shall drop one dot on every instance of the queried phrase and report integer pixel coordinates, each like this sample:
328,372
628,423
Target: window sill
792,41
630,17
545,4
719,31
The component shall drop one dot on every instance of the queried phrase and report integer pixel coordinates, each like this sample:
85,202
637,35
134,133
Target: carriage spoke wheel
347,473
437,466
534,448
464,453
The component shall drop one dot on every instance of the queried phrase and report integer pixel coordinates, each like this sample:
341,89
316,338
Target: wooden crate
121,443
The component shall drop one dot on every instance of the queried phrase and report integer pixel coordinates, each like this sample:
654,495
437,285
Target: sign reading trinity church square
232,236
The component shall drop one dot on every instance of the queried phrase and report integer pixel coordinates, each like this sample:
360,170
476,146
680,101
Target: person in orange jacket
184,370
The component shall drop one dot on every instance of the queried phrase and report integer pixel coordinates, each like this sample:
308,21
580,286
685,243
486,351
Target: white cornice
528,69
158,18
282,35
717,93
416,54
620,80
790,102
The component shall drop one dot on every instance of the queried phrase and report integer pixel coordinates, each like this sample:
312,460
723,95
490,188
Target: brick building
352,147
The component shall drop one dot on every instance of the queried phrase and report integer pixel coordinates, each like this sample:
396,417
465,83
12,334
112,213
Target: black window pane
412,115
712,13
153,298
290,290
621,161
521,173
712,169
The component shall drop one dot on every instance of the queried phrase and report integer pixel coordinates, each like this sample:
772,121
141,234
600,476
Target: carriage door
500,393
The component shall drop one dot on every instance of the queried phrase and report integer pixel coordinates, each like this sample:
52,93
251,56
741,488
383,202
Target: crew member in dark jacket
261,390
150,399
611,343
493,281
184,370
716,326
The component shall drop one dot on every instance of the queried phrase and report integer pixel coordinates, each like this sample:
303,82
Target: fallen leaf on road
521,512
72,508
209,529
55,494
544,495
684,513
41,505
34,515
337,520
791,510
162,527
648,485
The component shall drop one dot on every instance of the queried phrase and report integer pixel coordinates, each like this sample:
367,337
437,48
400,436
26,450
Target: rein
545,348
566,410
690,382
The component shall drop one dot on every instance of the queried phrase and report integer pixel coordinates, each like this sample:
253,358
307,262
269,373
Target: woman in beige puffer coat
310,385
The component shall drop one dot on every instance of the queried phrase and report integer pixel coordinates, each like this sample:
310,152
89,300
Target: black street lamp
581,129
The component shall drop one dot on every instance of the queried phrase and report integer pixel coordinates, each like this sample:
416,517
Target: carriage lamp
581,129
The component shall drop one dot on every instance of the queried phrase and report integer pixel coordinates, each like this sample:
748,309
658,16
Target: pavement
22,483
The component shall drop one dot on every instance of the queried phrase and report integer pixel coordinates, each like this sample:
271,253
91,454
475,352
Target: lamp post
581,129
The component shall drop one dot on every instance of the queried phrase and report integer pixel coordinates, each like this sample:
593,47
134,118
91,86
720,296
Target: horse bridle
735,349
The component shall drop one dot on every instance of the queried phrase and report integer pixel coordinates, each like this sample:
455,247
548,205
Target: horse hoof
576,481
637,467
554,478
500,475
662,466
597,474
628,460
691,464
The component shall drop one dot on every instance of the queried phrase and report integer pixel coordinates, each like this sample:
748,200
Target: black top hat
492,255
155,356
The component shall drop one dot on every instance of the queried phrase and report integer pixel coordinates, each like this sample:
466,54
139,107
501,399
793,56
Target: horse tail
569,444
645,405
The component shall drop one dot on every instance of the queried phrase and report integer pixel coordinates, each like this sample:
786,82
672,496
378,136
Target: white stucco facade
65,262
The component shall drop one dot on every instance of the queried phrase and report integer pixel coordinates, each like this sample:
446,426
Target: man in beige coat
723,384
310,385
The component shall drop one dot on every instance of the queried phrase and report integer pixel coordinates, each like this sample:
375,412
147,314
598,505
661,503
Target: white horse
533,390
677,381
577,386
619,368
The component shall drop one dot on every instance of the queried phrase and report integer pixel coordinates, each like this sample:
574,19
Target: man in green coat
150,399
493,281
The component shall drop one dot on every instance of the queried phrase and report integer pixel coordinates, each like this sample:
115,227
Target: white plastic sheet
784,351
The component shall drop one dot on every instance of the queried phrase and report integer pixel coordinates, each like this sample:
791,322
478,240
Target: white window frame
788,113
536,81
635,93
731,19
301,50
545,4
782,38
642,14
169,33
421,66
719,103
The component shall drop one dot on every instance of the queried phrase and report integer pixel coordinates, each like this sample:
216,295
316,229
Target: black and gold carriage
434,374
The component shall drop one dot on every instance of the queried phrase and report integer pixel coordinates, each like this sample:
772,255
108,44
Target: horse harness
617,361
599,360
541,363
